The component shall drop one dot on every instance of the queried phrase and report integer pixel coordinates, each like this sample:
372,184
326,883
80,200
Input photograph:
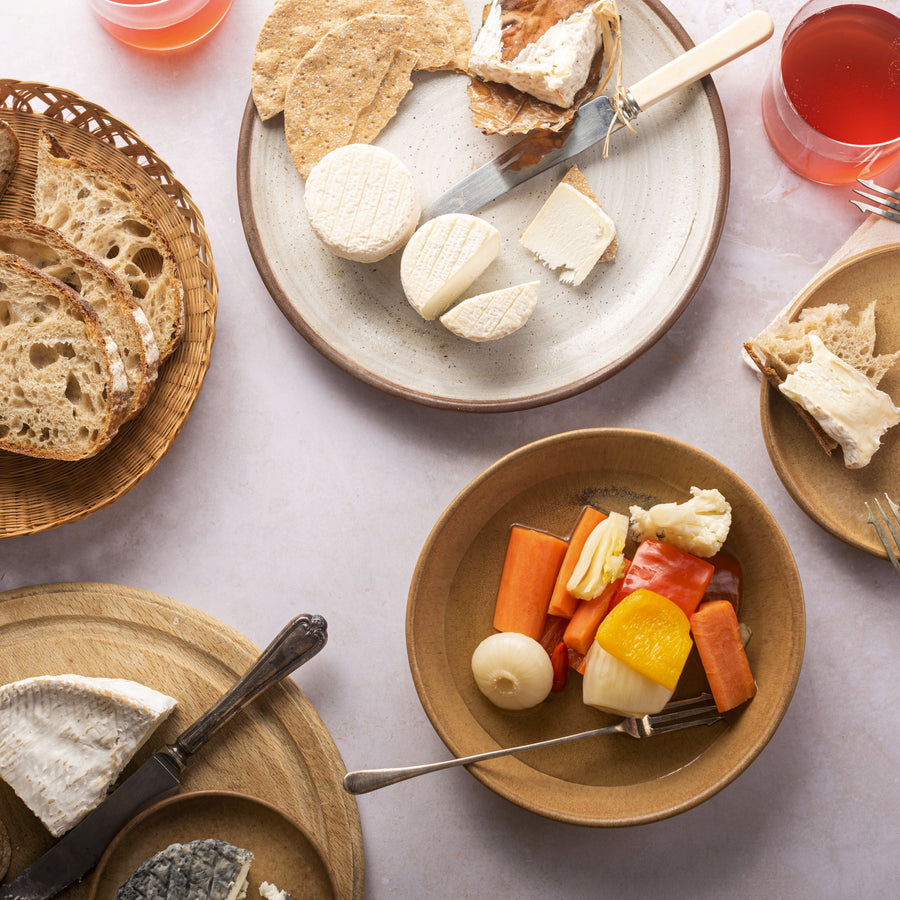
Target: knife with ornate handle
79,850
541,150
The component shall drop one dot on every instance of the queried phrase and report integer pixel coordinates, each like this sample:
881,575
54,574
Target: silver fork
872,519
888,205
699,710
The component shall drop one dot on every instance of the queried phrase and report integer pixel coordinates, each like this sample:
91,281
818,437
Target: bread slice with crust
102,215
9,154
110,297
63,391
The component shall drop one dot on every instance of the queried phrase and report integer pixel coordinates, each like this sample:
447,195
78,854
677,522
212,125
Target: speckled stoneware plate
666,187
824,488
612,780
284,853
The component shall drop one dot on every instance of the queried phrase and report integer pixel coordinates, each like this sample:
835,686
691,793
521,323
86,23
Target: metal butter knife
78,851
530,156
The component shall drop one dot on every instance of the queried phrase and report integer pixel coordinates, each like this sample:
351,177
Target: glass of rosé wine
160,24
831,104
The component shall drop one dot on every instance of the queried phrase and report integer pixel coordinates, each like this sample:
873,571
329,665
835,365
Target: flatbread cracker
336,81
395,85
294,27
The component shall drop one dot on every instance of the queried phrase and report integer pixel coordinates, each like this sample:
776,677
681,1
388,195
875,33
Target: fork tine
872,186
699,710
890,204
873,520
878,210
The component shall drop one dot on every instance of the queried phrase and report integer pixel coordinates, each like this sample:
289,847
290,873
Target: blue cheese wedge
554,66
196,870
443,258
847,406
361,202
64,739
496,314
570,233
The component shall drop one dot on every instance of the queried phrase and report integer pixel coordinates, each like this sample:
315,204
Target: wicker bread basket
37,494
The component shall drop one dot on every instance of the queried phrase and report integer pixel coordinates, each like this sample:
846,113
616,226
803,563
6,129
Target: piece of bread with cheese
571,232
109,296
102,214
9,154
63,390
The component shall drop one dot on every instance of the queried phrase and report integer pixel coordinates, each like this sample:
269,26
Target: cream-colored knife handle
748,32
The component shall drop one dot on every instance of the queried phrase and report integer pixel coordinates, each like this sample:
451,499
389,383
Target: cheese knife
541,150
78,851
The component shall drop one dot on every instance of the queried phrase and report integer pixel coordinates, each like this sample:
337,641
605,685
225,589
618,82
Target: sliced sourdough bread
9,154
111,298
62,382
102,214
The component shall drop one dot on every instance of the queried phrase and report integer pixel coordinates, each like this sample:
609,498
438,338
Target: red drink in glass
160,24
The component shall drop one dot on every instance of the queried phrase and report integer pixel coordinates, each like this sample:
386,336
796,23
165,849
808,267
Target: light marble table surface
294,487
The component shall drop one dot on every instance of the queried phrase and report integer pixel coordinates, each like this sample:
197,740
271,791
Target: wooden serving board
278,749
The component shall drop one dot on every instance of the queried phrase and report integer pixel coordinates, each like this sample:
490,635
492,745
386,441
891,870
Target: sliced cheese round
488,317
361,202
443,258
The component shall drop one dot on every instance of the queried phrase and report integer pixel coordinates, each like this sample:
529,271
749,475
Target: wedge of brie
843,401
554,65
490,316
443,258
64,739
361,202
571,232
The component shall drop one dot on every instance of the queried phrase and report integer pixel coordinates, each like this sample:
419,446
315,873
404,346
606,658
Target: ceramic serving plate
284,853
666,186
824,488
612,780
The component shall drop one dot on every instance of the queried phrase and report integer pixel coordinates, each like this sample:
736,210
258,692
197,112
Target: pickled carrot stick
582,627
717,636
563,603
529,572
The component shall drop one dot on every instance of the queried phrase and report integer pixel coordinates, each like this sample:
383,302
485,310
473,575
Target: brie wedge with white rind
361,202
64,739
488,317
443,258
570,233
843,401
208,869
553,68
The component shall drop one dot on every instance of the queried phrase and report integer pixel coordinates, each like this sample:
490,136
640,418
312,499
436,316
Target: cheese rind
553,68
570,232
361,202
208,869
443,258
490,316
64,739
843,401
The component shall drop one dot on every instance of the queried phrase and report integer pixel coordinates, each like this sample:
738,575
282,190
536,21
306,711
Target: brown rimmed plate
37,494
284,853
666,186
822,486
613,780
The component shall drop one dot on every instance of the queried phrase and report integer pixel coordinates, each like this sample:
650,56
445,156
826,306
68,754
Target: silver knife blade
79,851
594,119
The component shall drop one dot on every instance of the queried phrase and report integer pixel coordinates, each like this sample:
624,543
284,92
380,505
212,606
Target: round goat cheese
361,202
491,316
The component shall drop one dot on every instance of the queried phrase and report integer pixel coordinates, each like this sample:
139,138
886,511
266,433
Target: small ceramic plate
824,488
613,780
666,186
284,854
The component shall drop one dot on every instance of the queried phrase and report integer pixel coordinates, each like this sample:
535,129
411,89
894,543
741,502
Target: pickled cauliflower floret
699,525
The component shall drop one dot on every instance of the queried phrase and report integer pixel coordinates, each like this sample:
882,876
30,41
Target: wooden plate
824,488
613,780
37,494
666,187
284,853
278,749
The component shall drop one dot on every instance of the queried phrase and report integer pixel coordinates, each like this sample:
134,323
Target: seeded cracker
395,85
294,27
338,79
